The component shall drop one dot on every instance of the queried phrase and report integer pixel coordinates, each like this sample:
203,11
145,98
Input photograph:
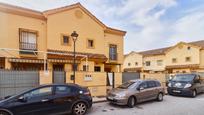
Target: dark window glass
174,60
158,84
184,77
90,43
151,84
41,92
85,68
97,68
129,64
63,90
113,52
144,85
28,40
148,63
65,39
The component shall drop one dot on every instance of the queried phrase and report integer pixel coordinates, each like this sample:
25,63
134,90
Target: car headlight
187,85
120,95
169,84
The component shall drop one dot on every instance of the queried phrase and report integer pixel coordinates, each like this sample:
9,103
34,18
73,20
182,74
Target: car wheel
194,93
79,109
160,97
131,102
4,113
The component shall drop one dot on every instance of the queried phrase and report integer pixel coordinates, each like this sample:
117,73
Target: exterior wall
9,29
132,59
155,76
153,63
181,53
97,84
65,23
202,58
45,77
181,70
116,40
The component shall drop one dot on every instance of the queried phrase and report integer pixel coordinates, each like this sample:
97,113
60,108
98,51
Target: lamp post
74,38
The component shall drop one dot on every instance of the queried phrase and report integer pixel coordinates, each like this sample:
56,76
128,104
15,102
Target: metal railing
28,46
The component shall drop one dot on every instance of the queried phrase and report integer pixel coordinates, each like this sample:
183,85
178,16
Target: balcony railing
113,57
28,46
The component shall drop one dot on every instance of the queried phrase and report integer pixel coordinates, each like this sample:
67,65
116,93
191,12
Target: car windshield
185,78
126,85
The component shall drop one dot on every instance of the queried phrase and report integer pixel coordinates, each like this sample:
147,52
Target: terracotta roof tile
161,51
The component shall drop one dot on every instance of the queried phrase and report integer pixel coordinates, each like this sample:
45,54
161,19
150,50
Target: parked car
136,91
186,85
48,99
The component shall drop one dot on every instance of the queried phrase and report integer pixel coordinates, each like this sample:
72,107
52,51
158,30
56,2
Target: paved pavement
171,105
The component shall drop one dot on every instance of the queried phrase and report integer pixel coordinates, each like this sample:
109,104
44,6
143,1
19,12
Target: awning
133,69
20,60
182,66
68,55
62,61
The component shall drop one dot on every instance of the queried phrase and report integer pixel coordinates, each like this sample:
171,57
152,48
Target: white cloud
189,27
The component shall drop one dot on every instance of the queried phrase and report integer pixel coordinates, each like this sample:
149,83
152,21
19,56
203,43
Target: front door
35,102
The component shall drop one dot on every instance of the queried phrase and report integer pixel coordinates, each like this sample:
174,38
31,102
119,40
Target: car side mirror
141,88
22,99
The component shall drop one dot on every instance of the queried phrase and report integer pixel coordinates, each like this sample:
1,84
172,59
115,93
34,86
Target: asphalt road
171,105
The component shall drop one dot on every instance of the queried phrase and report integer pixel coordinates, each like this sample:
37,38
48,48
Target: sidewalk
99,99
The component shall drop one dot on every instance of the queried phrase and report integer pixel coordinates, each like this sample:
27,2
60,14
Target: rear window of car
65,89
151,84
158,84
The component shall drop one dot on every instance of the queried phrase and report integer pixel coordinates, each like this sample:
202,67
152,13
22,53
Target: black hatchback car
48,100
186,85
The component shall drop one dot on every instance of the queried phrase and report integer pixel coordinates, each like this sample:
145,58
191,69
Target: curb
101,101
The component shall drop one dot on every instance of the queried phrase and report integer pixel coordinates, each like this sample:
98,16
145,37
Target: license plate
176,91
111,98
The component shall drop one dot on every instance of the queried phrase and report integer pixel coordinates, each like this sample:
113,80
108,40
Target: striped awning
20,60
62,61
182,66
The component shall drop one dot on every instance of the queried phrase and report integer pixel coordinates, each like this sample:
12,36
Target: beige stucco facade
181,58
51,25
50,52
133,62
155,66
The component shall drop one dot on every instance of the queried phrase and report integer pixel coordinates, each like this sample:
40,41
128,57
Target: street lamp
74,38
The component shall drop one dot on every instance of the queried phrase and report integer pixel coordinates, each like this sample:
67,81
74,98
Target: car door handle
44,100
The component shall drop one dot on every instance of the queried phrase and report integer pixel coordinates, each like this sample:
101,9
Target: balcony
113,57
28,46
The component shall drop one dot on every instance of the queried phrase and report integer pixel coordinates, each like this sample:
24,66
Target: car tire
4,113
194,94
79,109
131,102
160,97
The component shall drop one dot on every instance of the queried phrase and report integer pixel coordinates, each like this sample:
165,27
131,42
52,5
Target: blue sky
149,24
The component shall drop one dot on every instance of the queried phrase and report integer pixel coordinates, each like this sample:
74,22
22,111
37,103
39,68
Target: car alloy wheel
80,109
160,97
131,102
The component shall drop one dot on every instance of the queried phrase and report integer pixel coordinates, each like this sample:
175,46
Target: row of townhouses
180,58
29,38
